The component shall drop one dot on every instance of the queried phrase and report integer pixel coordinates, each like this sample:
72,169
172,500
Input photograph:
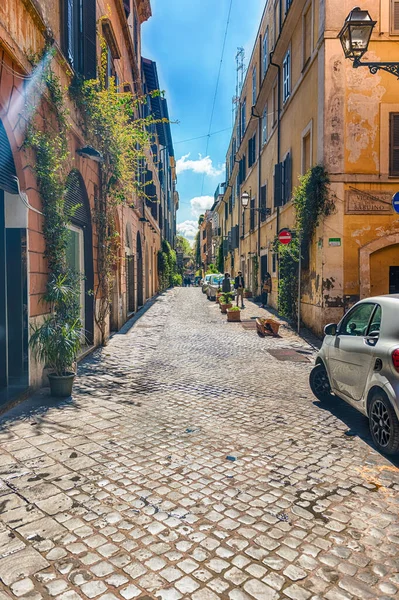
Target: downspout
278,144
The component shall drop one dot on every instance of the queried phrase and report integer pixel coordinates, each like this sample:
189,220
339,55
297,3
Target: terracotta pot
224,307
267,326
247,294
234,316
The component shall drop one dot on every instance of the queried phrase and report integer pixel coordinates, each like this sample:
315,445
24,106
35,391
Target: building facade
302,104
26,28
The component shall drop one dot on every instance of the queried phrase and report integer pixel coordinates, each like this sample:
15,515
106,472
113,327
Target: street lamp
245,199
355,37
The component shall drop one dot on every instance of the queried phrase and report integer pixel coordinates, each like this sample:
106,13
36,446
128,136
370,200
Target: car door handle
370,340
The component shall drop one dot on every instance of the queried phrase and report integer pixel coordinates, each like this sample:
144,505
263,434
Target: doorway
394,280
140,290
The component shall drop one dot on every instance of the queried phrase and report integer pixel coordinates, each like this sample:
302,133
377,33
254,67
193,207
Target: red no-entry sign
285,236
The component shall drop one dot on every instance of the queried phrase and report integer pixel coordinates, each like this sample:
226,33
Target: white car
359,362
205,282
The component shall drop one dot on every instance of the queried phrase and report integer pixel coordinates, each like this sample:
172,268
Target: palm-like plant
56,342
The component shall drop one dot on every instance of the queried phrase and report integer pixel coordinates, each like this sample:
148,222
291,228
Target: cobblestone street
193,464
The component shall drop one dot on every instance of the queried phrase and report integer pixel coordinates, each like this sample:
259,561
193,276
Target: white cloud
188,229
200,204
202,165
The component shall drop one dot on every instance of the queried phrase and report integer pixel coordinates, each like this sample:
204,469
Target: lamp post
355,37
262,211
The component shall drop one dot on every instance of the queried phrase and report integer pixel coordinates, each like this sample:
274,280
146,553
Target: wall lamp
90,152
245,202
355,37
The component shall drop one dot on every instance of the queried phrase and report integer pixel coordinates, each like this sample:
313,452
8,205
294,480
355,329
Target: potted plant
57,341
218,296
233,314
247,293
225,302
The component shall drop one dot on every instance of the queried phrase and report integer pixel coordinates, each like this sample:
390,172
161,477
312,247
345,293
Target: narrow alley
191,463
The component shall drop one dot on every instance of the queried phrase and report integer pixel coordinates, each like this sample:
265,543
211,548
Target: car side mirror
330,329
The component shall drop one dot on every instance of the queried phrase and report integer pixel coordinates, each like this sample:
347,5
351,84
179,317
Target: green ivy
312,202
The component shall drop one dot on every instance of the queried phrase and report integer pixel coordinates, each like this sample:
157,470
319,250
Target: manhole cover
248,324
288,354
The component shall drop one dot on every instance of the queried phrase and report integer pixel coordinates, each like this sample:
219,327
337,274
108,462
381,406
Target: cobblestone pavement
193,464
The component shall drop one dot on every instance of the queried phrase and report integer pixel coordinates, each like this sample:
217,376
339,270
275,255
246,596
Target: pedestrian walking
239,285
226,284
266,289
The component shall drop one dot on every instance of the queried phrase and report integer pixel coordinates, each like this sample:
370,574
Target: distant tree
182,243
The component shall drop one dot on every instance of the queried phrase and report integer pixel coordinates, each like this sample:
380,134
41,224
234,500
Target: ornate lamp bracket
390,67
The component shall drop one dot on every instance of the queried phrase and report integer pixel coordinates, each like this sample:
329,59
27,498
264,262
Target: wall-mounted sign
395,202
285,236
359,202
334,241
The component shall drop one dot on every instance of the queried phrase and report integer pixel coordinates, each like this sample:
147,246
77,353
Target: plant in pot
247,293
233,314
57,341
225,301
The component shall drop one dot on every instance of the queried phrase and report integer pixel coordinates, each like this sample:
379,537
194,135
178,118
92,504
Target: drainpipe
278,67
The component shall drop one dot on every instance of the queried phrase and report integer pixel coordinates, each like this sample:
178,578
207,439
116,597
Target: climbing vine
111,124
47,137
312,201
167,267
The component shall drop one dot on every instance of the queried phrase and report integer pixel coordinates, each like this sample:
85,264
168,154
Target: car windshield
217,279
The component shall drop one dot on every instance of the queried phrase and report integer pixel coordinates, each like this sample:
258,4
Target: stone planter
224,307
234,316
61,386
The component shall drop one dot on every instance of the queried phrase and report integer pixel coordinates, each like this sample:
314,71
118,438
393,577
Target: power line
200,137
217,87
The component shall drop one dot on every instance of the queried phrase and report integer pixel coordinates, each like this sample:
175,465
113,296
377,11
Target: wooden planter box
233,316
224,307
248,294
267,326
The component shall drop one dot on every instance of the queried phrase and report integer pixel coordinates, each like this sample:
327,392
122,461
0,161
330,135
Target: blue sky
185,38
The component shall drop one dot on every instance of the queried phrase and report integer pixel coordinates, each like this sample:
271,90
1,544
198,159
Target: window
251,151
286,76
276,21
254,86
252,215
263,202
357,320
307,34
75,262
79,29
275,103
243,117
306,152
282,181
395,17
264,126
394,144
287,6
265,59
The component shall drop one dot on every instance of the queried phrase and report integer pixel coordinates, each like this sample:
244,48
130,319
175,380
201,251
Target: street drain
285,354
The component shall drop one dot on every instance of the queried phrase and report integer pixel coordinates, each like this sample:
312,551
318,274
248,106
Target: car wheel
319,383
384,424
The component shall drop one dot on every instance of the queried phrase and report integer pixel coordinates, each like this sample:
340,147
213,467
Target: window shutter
8,175
89,39
287,178
277,185
263,203
394,145
76,202
395,16
126,6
